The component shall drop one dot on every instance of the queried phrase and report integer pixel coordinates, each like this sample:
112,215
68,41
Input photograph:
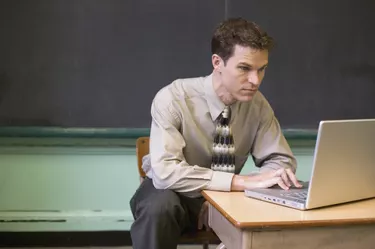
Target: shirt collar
215,105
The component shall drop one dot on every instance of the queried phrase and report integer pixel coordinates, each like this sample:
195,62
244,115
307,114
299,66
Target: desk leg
329,237
230,236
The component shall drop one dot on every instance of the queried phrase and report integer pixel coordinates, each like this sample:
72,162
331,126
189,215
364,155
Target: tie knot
226,112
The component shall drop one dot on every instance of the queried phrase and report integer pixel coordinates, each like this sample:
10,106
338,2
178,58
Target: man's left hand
203,217
287,175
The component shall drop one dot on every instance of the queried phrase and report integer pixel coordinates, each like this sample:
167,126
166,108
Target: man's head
239,57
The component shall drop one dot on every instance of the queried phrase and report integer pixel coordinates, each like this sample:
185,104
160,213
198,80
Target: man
186,136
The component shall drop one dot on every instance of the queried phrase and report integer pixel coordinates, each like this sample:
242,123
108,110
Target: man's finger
293,178
285,178
282,184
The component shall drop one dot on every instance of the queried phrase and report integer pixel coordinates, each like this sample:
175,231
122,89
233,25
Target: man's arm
170,169
272,154
270,149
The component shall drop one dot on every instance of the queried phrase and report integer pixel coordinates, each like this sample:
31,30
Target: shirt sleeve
270,149
170,170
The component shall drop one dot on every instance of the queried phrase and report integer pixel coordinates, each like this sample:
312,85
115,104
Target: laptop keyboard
301,195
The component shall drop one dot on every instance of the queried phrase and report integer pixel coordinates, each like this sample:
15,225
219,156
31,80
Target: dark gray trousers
161,216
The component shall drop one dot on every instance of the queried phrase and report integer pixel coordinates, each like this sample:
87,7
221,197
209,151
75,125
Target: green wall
81,181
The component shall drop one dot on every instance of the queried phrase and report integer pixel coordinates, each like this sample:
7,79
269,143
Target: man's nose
254,78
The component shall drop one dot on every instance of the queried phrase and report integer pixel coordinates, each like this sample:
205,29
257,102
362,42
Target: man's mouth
250,90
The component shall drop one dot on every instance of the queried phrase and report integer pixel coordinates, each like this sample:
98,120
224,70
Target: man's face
243,72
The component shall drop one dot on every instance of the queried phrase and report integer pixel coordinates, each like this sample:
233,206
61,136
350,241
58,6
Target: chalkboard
99,63
323,66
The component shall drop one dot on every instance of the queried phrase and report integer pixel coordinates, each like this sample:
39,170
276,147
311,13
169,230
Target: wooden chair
201,237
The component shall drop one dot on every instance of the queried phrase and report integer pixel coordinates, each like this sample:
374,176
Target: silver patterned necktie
223,158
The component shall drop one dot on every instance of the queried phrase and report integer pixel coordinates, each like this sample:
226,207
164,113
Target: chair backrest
142,149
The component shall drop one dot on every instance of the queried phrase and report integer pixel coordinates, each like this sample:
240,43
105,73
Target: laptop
343,168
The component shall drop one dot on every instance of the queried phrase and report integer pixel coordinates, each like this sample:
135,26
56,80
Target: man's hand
203,217
285,178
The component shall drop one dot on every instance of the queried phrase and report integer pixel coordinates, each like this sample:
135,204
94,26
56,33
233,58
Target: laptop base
292,198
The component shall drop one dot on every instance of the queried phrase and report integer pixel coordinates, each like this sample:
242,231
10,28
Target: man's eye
244,68
261,69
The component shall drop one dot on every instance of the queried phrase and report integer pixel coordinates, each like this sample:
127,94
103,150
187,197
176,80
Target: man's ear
217,62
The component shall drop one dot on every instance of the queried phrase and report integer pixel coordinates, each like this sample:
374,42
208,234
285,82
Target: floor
184,247
125,247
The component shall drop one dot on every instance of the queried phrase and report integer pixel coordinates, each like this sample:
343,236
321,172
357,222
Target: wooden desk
241,222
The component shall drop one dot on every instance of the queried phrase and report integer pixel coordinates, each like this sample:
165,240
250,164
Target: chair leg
206,245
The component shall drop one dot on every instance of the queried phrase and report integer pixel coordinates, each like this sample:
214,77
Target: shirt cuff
221,181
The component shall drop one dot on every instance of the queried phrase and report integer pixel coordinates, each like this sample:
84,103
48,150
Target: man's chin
245,98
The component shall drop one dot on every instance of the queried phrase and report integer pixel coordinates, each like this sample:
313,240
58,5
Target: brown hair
238,31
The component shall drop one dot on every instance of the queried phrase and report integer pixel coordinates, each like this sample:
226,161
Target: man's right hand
282,177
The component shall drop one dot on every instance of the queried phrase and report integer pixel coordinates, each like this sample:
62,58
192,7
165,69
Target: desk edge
280,225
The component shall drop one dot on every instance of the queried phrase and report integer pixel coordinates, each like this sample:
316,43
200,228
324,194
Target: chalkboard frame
124,133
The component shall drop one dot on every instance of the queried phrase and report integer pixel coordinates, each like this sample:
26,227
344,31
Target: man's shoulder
259,98
181,89
261,102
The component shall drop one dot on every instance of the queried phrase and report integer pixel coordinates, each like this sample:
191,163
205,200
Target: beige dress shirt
182,131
